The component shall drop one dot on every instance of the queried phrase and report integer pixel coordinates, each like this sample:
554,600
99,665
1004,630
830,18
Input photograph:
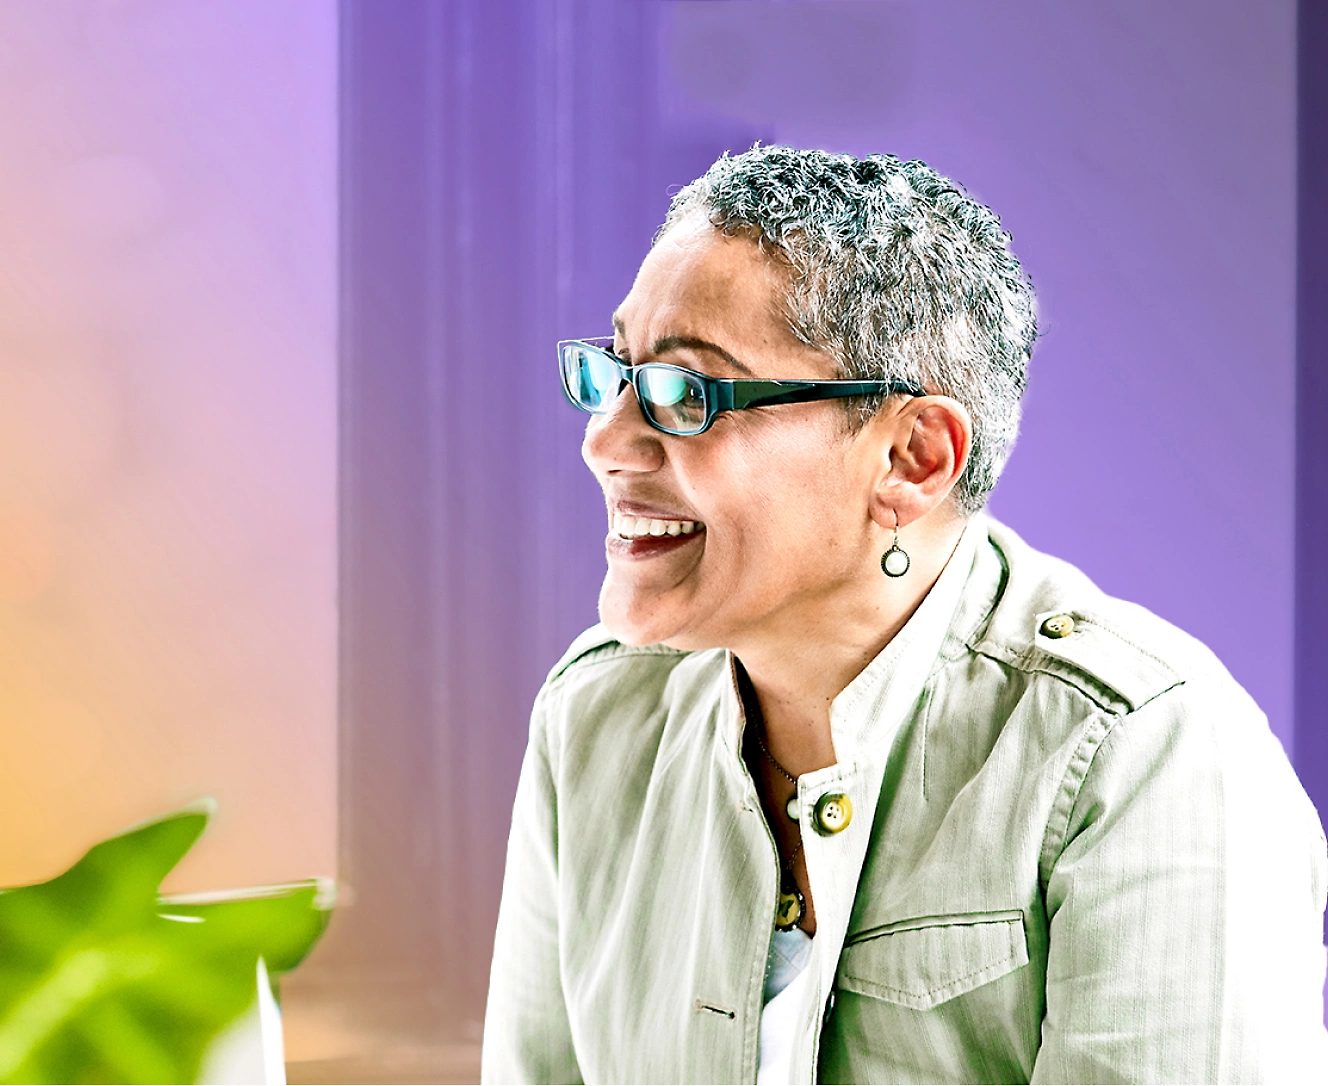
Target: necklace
791,905
792,808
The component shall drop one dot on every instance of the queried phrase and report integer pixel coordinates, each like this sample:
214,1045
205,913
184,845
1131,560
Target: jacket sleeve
527,1037
1185,896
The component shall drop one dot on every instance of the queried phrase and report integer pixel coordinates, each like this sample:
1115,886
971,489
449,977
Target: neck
796,669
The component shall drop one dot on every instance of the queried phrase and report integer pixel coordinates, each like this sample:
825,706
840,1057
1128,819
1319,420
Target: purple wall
505,163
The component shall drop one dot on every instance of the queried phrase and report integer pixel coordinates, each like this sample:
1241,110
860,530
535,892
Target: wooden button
834,811
1058,626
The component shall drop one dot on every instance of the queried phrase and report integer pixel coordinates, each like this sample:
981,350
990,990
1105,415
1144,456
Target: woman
850,784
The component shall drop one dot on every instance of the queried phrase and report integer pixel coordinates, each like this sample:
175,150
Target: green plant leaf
104,980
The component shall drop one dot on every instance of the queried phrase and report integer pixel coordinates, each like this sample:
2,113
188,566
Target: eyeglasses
683,402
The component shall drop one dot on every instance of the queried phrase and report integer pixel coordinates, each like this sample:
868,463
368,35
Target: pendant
793,809
789,910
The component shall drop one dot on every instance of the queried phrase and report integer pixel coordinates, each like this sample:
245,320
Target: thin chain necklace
792,808
792,905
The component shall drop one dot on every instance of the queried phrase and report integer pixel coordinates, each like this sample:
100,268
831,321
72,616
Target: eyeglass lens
671,398
675,400
591,378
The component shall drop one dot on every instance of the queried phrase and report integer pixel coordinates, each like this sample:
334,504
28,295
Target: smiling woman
850,784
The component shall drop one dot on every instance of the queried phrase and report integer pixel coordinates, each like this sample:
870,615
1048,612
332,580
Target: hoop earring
895,561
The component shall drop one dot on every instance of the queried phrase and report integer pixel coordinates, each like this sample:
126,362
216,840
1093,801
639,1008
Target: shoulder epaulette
1094,655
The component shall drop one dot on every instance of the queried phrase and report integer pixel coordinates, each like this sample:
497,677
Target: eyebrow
695,343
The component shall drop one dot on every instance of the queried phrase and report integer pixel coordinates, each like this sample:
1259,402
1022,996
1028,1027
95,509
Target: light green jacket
1075,858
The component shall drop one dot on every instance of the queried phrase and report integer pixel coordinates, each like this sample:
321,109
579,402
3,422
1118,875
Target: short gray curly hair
896,272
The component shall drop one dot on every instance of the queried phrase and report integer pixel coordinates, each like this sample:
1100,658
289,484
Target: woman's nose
621,439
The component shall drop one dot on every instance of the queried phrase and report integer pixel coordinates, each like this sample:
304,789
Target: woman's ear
925,446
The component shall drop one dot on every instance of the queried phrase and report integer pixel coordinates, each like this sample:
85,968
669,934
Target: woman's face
779,494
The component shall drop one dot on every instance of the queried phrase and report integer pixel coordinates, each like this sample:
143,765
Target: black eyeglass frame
723,394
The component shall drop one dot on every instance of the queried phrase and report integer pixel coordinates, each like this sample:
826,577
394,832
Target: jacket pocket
923,962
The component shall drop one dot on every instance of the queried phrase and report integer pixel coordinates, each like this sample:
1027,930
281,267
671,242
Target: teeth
638,527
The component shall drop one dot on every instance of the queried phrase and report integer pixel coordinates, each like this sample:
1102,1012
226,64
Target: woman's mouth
629,527
644,537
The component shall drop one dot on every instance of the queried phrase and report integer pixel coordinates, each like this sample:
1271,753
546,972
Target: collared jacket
1075,853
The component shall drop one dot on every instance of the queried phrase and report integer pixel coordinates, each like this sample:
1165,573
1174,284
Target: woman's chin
644,632
636,617
633,618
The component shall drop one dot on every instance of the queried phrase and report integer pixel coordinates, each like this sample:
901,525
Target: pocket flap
923,962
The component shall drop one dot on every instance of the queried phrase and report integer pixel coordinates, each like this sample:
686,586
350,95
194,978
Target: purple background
504,164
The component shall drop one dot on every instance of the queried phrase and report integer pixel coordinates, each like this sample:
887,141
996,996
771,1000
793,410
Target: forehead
699,282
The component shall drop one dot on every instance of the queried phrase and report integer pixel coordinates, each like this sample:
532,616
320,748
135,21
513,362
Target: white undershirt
785,981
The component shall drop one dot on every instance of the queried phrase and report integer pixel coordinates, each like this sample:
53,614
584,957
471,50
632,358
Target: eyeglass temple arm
739,394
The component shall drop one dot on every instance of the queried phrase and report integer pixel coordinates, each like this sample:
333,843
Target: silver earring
895,561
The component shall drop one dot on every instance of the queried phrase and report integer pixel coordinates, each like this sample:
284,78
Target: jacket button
1058,626
834,811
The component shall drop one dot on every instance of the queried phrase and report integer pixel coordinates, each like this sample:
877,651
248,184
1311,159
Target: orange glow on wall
168,430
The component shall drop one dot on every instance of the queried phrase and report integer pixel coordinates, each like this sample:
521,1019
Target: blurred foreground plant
103,980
